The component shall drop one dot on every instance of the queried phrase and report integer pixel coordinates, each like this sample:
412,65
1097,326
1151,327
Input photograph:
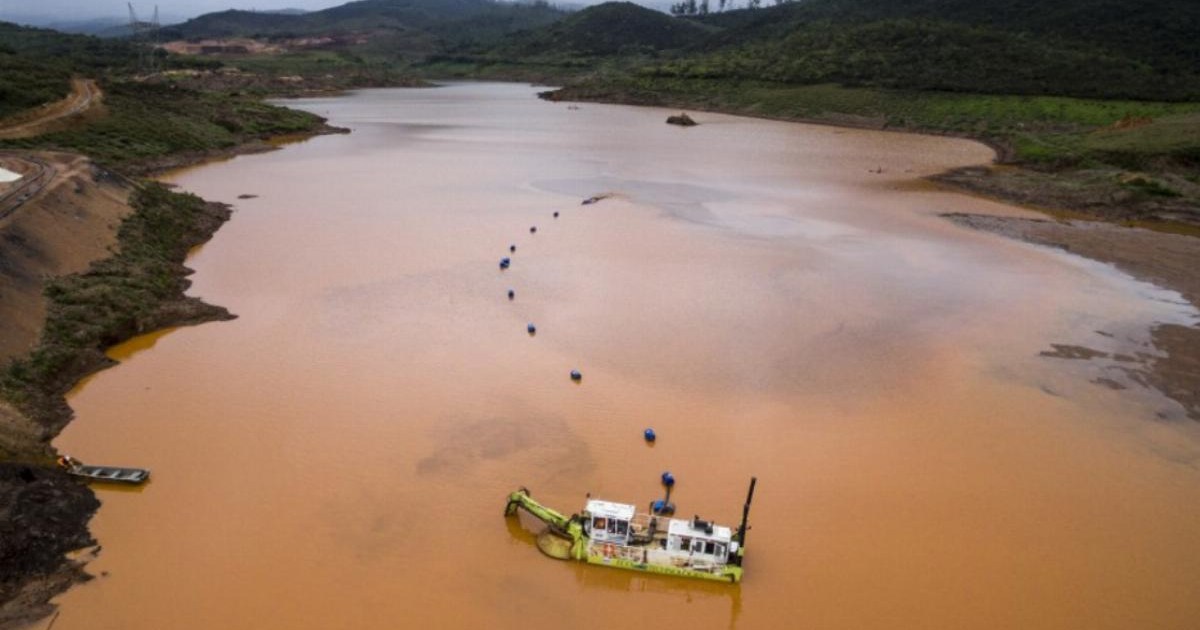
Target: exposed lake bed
339,454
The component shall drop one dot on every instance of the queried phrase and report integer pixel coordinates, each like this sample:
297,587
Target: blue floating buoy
532,229
505,262
556,214
649,433
511,294
662,507
576,375
530,328
512,248
668,479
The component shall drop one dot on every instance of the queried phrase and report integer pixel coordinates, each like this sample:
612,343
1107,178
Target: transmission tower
145,37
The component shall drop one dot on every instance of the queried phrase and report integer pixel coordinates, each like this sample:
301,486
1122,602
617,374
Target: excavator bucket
554,544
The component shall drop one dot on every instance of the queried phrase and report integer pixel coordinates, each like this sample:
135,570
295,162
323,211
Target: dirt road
84,95
37,174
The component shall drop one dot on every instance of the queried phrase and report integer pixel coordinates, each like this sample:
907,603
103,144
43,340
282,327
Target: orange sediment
338,456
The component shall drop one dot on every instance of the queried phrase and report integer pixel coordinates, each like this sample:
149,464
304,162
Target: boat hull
729,575
111,474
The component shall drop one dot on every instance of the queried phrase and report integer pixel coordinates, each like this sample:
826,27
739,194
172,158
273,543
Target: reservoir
774,299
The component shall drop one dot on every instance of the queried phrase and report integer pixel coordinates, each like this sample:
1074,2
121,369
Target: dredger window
617,527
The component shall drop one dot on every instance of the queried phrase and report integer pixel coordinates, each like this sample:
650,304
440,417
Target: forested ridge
1129,49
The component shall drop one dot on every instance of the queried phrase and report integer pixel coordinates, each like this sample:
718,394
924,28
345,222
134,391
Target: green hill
609,29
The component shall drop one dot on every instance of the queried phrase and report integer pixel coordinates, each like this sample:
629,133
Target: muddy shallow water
339,455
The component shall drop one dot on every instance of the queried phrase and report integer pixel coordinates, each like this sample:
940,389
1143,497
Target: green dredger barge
616,535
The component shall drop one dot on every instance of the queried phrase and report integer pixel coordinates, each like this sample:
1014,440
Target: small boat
616,535
109,474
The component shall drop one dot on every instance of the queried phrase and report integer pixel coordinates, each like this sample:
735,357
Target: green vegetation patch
25,84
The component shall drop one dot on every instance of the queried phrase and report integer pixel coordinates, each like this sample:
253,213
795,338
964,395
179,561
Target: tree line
691,7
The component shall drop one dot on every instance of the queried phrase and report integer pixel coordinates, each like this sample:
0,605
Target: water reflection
138,345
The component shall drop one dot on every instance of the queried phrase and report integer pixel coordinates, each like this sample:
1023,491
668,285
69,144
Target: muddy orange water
339,456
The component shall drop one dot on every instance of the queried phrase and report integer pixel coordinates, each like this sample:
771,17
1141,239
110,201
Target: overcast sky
87,9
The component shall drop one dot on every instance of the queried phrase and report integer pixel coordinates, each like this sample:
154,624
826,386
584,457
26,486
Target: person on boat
67,462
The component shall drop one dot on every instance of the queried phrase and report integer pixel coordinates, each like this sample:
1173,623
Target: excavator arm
563,538
521,499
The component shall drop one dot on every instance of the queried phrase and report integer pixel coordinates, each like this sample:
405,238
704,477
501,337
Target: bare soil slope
62,229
